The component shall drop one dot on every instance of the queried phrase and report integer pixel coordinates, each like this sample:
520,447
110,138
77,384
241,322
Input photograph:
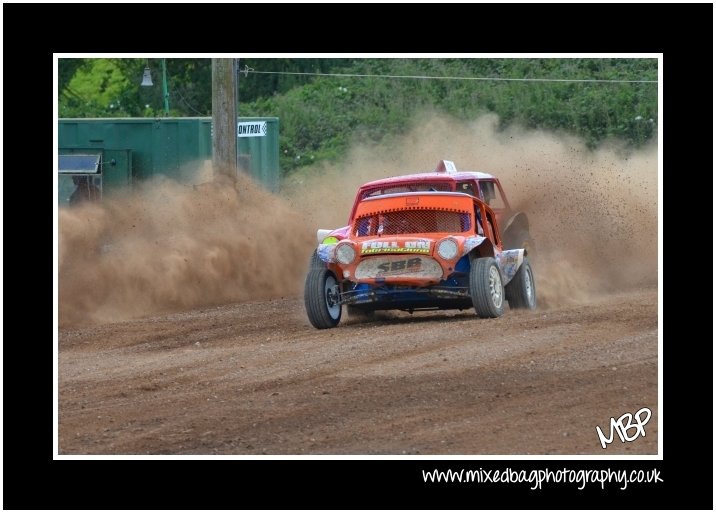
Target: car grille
402,266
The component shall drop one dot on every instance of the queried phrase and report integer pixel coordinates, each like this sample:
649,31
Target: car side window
467,188
491,194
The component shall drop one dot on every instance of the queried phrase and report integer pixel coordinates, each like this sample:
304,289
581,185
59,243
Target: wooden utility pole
223,113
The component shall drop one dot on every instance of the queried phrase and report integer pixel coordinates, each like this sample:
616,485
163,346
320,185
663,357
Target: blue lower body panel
449,294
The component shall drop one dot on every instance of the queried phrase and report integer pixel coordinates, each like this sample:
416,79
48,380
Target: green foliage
322,116
111,88
67,70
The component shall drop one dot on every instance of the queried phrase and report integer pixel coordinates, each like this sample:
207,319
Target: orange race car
417,251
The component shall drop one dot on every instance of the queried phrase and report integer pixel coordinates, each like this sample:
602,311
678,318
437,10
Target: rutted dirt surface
255,378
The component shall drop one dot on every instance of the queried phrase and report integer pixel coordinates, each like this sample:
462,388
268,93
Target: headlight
345,253
447,249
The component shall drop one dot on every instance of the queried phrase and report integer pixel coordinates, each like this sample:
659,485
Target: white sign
450,166
251,129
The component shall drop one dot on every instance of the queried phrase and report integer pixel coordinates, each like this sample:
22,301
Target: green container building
112,154
258,150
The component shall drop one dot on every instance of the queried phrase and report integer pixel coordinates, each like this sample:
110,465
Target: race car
513,224
417,251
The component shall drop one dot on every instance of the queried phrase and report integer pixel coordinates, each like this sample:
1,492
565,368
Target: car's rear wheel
321,296
521,239
486,290
520,292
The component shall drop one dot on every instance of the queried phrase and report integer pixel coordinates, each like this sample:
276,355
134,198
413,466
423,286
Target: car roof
430,177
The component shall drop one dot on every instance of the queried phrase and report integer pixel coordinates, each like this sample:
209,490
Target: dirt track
255,378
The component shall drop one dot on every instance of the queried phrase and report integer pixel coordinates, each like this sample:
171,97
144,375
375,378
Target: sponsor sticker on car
377,246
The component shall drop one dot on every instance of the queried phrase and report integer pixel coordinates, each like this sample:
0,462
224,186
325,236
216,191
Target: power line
187,103
248,70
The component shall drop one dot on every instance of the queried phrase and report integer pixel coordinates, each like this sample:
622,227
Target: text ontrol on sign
251,129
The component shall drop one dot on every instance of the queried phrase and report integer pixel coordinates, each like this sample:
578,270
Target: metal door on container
116,170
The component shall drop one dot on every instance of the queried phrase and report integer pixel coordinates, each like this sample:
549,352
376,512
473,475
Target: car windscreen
413,187
411,221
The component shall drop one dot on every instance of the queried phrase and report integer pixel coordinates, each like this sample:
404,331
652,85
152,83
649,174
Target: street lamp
147,82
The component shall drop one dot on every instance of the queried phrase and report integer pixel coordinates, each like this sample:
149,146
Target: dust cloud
170,247
593,214
167,247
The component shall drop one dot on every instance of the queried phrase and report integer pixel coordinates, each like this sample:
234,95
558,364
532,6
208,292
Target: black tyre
321,295
486,290
315,262
520,292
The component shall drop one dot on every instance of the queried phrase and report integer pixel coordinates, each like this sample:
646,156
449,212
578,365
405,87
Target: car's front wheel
316,262
321,296
486,290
